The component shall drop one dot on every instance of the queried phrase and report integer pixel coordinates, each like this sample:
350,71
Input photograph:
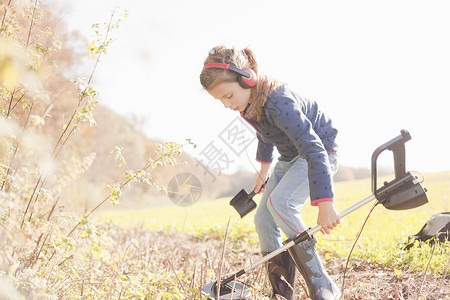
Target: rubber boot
281,272
320,285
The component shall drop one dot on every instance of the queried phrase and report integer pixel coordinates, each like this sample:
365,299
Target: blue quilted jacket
296,126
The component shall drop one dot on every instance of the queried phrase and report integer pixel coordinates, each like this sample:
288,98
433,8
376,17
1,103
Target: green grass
380,241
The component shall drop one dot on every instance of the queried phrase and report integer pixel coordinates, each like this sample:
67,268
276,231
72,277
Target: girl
305,138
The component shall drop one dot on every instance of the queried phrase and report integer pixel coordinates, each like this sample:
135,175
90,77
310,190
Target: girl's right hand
262,178
257,186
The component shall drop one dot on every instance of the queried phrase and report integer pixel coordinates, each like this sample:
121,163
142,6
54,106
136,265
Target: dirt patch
203,258
369,280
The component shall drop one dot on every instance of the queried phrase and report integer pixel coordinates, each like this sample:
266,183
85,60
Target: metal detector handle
397,146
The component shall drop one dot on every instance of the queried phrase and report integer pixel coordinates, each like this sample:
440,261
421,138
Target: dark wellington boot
307,260
281,272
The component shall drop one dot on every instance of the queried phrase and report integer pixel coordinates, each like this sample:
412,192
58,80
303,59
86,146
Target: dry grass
189,263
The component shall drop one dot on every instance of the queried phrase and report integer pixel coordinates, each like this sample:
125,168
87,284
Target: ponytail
265,86
251,59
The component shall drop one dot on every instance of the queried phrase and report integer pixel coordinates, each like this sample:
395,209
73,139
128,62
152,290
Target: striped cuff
264,162
317,201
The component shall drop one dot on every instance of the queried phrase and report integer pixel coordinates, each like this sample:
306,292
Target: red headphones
247,78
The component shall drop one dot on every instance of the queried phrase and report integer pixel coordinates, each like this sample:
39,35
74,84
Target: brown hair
244,59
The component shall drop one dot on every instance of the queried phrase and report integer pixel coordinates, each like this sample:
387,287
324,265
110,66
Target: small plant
46,250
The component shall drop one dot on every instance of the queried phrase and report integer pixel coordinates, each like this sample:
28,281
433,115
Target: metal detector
403,192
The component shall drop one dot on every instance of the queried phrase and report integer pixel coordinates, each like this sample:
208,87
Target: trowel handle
253,193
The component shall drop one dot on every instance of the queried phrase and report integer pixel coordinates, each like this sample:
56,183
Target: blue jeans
288,187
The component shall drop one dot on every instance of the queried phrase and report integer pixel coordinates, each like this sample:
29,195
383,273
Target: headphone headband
228,67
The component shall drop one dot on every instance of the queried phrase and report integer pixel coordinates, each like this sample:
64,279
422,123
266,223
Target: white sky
375,67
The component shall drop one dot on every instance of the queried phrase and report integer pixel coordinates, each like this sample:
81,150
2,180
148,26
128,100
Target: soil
364,280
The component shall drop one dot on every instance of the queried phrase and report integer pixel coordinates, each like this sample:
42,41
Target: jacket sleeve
289,117
264,152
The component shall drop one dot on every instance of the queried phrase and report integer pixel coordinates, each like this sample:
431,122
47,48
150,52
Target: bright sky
375,67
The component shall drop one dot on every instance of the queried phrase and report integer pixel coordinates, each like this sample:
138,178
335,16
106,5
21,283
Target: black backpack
437,226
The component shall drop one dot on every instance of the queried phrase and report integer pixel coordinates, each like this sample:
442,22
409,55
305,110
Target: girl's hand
262,178
328,217
258,184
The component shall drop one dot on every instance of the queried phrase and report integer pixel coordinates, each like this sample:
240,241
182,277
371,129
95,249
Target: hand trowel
243,202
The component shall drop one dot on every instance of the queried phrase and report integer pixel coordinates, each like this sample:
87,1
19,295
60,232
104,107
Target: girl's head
223,84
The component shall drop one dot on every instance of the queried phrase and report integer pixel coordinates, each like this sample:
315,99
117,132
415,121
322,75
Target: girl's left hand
328,217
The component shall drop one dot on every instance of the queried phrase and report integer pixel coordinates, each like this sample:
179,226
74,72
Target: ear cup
248,83
243,79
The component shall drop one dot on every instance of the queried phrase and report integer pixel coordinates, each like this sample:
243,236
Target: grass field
380,240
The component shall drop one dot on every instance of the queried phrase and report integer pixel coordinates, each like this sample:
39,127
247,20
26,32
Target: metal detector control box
405,191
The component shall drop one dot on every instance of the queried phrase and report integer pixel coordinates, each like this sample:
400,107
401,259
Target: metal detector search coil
234,290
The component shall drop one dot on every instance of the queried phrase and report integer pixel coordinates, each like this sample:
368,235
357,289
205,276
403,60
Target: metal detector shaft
299,238
379,194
